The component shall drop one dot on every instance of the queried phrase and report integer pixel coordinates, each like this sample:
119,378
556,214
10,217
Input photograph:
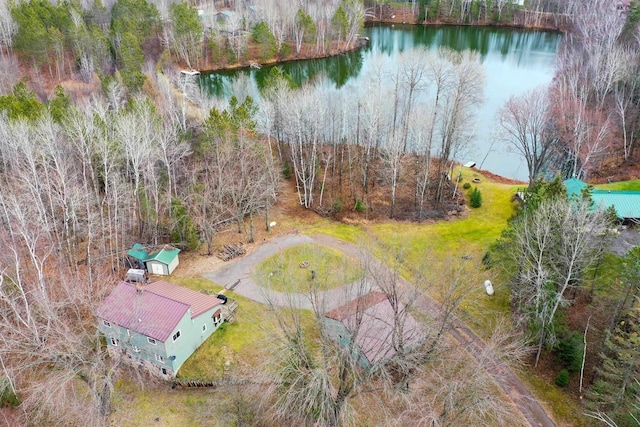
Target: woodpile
231,251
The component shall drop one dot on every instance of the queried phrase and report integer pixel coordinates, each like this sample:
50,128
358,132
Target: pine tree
475,200
615,389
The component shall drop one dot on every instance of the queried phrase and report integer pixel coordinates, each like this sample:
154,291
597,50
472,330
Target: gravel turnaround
236,275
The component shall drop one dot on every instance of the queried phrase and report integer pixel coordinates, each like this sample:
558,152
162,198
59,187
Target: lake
514,61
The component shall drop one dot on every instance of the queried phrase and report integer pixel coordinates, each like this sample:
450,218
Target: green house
157,326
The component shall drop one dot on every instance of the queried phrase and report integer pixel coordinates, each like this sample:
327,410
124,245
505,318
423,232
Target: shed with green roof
161,262
139,252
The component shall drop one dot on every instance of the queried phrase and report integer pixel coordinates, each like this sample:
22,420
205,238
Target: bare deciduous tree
524,122
50,347
456,122
553,246
457,389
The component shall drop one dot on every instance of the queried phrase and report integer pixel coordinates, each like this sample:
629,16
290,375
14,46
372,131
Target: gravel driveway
236,275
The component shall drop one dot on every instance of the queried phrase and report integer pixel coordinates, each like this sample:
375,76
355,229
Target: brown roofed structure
374,334
361,303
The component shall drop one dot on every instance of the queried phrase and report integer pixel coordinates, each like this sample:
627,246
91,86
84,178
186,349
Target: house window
107,324
159,358
114,341
151,341
204,327
176,336
135,349
164,371
217,317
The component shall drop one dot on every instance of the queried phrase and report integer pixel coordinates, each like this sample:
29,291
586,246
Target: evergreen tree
131,60
136,17
40,26
59,104
616,388
306,22
475,200
340,23
265,39
187,32
21,104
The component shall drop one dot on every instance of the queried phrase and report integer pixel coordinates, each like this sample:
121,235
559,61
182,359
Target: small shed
225,15
139,253
160,262
163,262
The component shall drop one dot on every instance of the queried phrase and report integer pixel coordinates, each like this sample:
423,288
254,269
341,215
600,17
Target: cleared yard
295,268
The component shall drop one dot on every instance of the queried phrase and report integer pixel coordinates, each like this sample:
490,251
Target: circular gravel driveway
236,276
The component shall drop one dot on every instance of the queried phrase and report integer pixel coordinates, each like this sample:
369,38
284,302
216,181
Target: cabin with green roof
625,203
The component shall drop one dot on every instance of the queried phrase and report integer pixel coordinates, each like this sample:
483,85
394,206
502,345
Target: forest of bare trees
104,143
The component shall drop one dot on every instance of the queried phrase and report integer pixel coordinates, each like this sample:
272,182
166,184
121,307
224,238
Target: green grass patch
237,345
565,411
295,269
633,185
350,233
231,342
441,248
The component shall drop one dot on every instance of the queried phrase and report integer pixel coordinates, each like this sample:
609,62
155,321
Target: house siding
191,337
339,332
131,341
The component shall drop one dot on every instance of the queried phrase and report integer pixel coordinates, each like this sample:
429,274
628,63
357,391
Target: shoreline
361,42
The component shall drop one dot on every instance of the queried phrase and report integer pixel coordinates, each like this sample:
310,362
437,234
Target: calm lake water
514,61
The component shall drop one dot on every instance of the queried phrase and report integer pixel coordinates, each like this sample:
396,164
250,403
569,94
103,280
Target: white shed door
156,268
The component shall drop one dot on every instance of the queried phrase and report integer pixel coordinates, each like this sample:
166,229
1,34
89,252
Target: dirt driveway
236,275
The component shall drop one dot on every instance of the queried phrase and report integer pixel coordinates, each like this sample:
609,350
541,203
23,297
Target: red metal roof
374,335
153,310
361,303
198,301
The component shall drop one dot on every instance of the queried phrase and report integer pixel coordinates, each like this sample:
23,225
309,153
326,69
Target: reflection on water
514,61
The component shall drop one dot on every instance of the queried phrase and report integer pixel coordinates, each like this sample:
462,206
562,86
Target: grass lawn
328,267
238,346
158,405
623,186
554,399
444,248
456,247
220,351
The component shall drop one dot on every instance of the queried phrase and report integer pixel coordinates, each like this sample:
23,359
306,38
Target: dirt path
237,276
